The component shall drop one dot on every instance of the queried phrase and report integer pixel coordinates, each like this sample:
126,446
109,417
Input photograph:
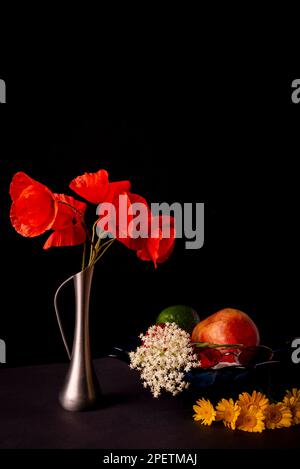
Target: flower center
251,421
275,416
228,415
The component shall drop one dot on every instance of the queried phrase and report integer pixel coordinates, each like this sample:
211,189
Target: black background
228,138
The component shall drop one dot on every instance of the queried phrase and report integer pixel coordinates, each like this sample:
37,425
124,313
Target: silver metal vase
81,390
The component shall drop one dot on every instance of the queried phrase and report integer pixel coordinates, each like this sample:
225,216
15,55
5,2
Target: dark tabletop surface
128,418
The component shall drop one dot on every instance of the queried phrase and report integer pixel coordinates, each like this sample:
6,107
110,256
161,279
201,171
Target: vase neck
82,285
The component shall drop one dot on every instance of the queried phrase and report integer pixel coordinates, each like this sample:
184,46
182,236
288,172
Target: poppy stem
98,244
83,257
87,231
107,242
94,249
106,246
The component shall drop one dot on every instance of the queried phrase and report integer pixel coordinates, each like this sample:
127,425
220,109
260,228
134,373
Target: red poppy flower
96,188
126,228
34,208
160,244
156,246
118,219
68,225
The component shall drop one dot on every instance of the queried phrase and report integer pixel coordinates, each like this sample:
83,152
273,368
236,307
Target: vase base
79,405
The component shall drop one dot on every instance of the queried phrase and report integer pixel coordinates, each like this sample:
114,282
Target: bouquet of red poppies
36,210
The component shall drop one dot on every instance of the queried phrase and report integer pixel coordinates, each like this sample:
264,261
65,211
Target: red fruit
228,326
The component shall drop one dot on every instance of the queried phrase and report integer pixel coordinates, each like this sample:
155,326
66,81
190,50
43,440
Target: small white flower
165,354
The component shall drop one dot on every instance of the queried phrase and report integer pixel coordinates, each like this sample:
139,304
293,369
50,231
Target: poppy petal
159,247
71,236
124,227
167,243
20,181
114,220
34,211
92,186
116,188
96,188
131,242
149,251
70,211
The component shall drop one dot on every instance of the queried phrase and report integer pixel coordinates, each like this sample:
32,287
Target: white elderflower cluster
164,357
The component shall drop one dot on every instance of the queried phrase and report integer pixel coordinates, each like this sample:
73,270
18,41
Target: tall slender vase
81,390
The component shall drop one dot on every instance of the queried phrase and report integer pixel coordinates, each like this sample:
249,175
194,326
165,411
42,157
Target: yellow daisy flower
204,412
251,420
278,416
294,393
228,411
293,404
258,400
